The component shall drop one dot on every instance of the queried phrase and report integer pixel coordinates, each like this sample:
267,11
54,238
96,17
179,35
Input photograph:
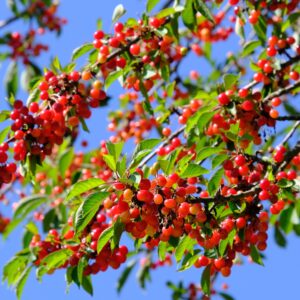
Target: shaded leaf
193,170
11,79
255,255
83,186
88,209
83,49
204,10
125,274
65,161
151,4
205,281
28,204
104,238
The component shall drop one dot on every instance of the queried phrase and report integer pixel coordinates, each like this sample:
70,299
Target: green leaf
189,261
56,64
4,115
113,76
110,161
115,149
215,181
83,49
207,152
226,296
104,238
142,150
230,80
80,268
151,4
12,6
204,119
260,28
204,10
56,259
87,210
205,281
118,230
83,186
217,160
119,11
185,243
34,96
162,249
125,274
285,183
65,161
228,241
255,255
292,19
250,47
4,134
189,15
285,219
29,204
87,284
21,282
193,170
169,11
11,79
279,237
239,29
14,269
192,121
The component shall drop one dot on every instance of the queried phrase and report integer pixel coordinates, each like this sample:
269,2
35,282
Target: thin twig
164,143
288,118
4,23
290,133
282,91
282,66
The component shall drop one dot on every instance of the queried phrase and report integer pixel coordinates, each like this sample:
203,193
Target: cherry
223,99
135,49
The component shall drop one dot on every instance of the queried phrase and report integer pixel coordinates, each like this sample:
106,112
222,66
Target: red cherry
135,49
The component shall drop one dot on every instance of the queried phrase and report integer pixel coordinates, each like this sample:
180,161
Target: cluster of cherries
24,47
87,248
46,15
130,123
264,7
208,32
65,101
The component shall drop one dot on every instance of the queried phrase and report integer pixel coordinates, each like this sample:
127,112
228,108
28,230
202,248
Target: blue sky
277,280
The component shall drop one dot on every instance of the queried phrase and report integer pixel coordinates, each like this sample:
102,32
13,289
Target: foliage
203,192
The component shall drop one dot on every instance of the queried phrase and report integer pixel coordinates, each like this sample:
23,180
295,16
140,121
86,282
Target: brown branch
288,157
290,133
164,143
4,23
282,66
282,91
288,118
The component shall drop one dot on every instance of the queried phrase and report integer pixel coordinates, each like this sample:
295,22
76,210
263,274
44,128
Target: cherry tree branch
282,91
288,118
282,66
290,133
164,143
4,23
